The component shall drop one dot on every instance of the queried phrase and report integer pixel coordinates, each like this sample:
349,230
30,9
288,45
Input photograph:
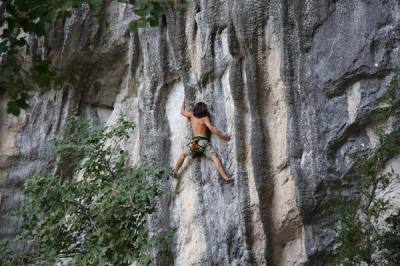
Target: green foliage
392,93
389,101
149,11
96,218
16,81
21,17
359,240
391,240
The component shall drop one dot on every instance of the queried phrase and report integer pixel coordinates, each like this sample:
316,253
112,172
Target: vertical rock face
292,81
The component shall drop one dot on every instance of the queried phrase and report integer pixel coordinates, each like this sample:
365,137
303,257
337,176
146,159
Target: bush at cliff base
93,210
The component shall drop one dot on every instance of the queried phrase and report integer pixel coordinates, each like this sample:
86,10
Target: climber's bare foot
227,178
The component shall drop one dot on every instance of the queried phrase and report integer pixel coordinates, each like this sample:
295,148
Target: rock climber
200,141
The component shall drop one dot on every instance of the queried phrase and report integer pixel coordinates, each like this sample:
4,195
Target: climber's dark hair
200,110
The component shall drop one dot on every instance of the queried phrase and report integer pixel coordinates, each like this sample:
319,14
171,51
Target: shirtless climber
199,144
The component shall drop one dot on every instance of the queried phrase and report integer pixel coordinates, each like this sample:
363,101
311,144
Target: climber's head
200,110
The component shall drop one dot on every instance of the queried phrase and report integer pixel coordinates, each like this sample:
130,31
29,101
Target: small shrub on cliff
93,210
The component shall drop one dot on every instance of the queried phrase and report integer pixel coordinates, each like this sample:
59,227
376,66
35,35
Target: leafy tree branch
96,215
361,238
22,18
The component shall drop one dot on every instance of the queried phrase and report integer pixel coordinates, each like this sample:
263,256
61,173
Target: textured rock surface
291,80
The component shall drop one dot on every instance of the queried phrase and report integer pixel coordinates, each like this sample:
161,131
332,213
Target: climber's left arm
184,112
216,131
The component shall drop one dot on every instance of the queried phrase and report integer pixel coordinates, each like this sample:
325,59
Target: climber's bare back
199,127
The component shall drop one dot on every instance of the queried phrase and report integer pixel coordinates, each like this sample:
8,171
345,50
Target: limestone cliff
291,81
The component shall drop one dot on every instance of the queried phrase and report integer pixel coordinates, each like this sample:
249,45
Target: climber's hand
226,137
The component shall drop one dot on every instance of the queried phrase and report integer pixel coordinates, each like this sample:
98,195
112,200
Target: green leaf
3,46
95,3
181,7
22,102
13,108
141,12
101,15
133,26
21,42
2,90
152,21
32,27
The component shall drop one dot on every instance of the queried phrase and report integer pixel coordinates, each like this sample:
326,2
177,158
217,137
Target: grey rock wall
292,81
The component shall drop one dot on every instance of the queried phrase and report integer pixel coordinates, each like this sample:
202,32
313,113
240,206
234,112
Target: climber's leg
179,163
219,167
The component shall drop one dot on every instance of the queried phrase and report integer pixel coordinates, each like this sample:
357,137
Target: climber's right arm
184,112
